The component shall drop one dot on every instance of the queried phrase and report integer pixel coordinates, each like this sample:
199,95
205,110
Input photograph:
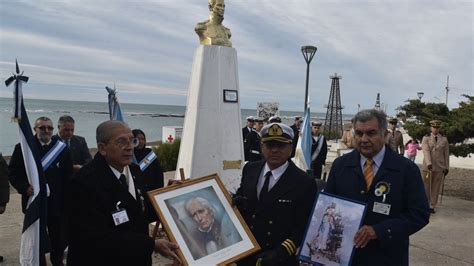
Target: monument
212,137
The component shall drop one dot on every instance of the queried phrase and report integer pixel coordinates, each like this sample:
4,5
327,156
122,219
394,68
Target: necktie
45,148
264,191
368,172
68,143
123,181
436,139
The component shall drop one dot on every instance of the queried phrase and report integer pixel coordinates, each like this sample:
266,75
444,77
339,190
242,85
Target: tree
458,124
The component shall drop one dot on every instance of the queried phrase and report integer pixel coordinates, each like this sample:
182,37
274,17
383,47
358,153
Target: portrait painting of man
203,222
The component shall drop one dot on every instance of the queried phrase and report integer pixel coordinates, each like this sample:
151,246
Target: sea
88,115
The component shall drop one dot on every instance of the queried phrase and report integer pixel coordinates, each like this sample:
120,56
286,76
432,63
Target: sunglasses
44,128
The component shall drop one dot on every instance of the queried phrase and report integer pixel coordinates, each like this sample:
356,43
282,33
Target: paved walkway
447,240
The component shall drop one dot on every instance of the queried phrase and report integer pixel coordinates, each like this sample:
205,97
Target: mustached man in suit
106,218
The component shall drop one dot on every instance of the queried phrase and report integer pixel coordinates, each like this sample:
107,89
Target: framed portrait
198,216
329,237
231,96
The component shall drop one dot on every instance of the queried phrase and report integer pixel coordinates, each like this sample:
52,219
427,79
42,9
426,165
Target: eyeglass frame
122,143
43,128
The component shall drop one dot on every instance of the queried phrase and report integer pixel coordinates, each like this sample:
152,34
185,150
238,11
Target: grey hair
204,202
369,114
66,119
104,131
42,118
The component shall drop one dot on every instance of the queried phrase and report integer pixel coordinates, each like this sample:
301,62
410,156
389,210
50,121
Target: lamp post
420,95
308,53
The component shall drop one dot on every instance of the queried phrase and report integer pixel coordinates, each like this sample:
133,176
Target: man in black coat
296,132
389,184
319,150
57,174
275,198
106,219
77,145
245,136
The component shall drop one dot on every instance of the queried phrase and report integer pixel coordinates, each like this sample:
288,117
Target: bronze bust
211,31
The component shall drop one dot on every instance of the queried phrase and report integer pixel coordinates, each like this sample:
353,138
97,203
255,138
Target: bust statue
211,31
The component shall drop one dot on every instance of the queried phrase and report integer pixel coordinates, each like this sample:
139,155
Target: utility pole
447,90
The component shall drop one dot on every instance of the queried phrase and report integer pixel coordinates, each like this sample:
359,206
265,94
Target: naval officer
275,198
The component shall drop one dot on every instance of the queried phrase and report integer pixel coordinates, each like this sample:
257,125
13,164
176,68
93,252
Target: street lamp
308,53
420,95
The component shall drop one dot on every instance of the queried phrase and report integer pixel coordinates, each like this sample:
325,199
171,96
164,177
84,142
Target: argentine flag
302,157
34,238
114,107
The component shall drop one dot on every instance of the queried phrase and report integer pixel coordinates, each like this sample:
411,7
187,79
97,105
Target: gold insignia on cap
275,130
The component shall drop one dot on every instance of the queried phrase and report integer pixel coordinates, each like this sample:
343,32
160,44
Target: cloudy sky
72,49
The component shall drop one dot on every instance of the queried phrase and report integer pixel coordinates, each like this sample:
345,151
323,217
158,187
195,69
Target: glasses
44,128
124,143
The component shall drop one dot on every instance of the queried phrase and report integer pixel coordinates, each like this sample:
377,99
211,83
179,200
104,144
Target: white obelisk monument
212,134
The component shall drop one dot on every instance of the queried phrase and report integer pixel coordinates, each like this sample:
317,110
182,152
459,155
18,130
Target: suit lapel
252,185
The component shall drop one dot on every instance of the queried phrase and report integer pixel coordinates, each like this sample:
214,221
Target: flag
34,238
115,112
302,157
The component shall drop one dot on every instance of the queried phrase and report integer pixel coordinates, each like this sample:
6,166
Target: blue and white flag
302,157
34,238
114,107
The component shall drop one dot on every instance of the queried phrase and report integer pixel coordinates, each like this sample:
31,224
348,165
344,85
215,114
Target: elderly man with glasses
106,217
57,167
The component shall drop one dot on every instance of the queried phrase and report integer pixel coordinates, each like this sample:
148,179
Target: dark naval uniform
404,193
281,219
254,146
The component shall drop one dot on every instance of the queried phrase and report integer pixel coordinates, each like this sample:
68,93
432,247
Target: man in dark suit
389,184
319,150
77,144
275,198
57,173
106,219
245,135
296,132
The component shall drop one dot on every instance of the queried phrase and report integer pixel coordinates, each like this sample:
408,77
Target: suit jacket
435,152
285,212
79,151
94,239
57,176
4,186
152,178
409,207
321,158
296,133
254,152
245,135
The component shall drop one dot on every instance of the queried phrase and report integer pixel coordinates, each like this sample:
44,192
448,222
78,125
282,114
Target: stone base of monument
212,134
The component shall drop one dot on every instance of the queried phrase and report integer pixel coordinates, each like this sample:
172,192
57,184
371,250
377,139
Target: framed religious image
329,237
231,96
197,215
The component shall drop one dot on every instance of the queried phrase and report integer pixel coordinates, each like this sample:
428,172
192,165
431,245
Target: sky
72,49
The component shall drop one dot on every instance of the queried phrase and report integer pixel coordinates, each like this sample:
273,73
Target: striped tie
369,172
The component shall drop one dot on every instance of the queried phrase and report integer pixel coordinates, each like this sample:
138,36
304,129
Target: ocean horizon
150,118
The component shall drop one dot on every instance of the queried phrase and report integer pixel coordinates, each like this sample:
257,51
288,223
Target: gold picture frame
197,215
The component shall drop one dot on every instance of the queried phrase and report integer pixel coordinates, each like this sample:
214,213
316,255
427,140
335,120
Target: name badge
120,217
381,208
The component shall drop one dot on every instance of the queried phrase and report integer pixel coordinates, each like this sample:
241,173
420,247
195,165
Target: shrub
167,154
